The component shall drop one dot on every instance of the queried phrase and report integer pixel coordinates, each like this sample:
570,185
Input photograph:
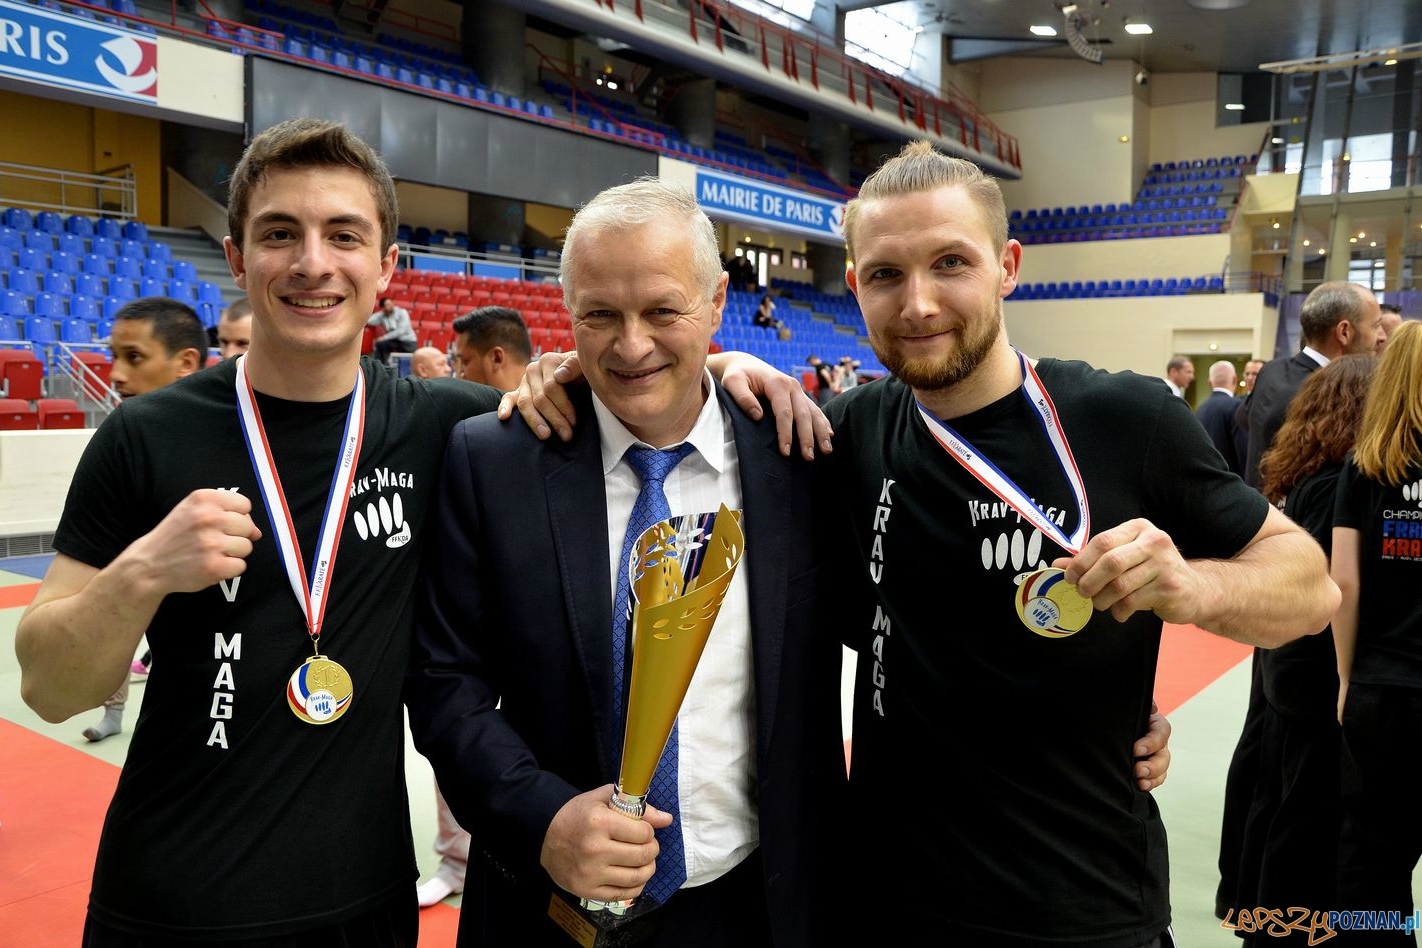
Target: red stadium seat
367,343
441,338
20,374
97,363
59,413
17,415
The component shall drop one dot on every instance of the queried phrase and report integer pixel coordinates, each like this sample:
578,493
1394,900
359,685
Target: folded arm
77,637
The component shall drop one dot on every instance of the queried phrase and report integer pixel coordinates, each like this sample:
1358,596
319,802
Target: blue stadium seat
128,267
14,303
111,305
75,330
72,244
148,286
160,251
89,284
18,218
156,269
10,238
62,262
107,228
183,270
122,287
133,248
84,306
105,329
94,264
48,304
55,282
9,329
39,240
24,280
49,222
135,230
209,293
182,290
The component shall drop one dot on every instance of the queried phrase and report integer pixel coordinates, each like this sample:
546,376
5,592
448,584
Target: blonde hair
918,167
637,203
1390,444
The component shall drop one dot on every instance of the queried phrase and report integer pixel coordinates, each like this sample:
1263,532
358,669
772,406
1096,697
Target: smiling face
930,284
643,325
311,261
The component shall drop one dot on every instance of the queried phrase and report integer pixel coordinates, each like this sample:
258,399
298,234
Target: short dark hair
490,326
1327,306
1392,308
175,325
1177,362
240,309
306,143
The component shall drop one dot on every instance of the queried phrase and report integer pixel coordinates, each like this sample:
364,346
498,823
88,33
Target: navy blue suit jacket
1216,416
1263,411
516,607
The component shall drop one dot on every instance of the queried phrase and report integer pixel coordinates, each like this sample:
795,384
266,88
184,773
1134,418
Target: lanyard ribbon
1002,485
310,592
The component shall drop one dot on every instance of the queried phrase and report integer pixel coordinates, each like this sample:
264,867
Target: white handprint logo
1413,491
384,519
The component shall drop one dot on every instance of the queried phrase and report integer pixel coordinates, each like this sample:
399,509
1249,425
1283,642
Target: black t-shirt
994,766
232,818
1301,677
1389,523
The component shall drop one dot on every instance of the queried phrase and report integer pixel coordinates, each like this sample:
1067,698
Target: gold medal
319,691
1050,606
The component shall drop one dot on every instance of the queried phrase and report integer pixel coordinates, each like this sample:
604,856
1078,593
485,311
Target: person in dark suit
1216,414
1336,319
511,689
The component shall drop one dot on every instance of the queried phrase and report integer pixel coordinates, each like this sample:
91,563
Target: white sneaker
435,891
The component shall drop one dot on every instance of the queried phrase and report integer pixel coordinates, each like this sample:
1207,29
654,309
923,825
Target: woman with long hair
1290,855
1377,564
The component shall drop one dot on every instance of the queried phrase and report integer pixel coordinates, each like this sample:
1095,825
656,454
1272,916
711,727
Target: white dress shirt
1179,392
1316,356
716,774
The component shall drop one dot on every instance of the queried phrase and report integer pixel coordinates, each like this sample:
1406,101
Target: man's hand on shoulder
595,852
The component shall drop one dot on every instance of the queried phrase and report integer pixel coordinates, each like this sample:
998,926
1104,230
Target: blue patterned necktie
652,467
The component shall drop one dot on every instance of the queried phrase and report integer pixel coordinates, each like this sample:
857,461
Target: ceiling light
1139,29
1389,62
1276,225
1043,31
1305,243
1234,106
612,85
1372,243
1352,240
1276,141
1125,138
1322,251
1361,235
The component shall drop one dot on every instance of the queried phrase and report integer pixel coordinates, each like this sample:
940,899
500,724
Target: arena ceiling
1188,35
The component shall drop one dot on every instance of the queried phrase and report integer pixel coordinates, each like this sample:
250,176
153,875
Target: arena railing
448,259
112,192
71,377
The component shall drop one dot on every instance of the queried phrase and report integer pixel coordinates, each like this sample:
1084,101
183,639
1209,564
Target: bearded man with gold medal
1021,529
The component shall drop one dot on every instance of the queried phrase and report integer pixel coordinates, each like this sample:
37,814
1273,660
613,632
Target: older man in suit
1216,414
516,683
1336,319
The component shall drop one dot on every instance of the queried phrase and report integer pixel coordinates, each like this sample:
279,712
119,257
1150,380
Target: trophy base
602,929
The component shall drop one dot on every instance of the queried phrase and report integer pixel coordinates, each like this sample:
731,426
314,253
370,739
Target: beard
927,374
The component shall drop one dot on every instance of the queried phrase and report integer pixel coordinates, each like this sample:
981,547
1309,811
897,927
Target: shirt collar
707,436
1315,355
1225,391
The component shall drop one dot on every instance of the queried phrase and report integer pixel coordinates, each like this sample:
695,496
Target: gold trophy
680,572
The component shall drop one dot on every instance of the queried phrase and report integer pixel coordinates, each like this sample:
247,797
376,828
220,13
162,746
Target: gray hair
638,203
1329,304
1223,374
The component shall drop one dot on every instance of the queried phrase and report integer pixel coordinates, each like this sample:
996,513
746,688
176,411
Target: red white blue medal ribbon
310,591
1002,485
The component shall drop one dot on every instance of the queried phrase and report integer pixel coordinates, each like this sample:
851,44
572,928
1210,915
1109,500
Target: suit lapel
577,511
765,497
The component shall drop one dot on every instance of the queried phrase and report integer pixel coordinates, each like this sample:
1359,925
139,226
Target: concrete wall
1141,334
1199,255
1183,120
35,470
424,206
1060,108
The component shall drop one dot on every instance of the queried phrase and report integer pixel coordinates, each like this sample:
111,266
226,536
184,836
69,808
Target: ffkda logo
386,518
